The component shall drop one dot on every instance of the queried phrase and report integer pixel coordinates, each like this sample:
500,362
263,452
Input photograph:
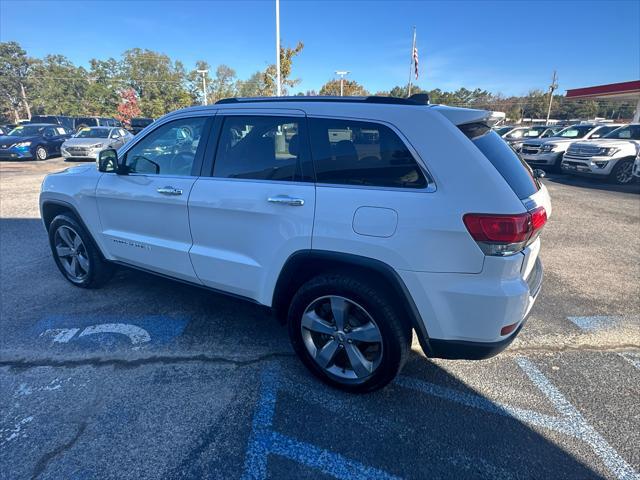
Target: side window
362,153
262,148
114,133
169,149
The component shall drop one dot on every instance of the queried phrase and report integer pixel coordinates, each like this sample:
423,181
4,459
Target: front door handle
286,200
168,190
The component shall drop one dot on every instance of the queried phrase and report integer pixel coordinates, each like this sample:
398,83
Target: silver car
89,141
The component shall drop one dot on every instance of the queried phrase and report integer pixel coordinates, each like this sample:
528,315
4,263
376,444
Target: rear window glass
514,170
362,153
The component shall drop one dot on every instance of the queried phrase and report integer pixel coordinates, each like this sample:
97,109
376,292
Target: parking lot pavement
148,378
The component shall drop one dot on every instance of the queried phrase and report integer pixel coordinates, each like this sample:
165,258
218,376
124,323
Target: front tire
41,153
75,254
622,173
348,333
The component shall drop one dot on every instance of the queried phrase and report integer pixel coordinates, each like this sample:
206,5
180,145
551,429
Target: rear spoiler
461,116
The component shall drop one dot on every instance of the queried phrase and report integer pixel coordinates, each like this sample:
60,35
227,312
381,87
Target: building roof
623,91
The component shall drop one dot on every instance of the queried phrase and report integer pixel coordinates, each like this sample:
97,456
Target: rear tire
366,349
76,255
622,173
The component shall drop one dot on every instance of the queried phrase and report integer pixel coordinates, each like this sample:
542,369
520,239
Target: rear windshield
86,122
514,170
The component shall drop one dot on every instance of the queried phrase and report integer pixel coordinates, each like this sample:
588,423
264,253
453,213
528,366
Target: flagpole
413,47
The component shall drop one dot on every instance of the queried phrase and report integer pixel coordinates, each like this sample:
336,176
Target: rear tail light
505,234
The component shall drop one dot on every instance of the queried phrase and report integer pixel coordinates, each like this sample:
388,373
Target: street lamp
204,84
341,74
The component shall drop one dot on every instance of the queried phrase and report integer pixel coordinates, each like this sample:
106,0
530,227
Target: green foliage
269,77
350,88
15,67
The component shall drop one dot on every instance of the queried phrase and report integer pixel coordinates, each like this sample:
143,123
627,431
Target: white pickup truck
547,153
611,156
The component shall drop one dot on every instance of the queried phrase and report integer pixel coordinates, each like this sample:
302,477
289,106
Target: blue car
33,141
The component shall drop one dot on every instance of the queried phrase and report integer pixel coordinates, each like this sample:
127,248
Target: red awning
623,89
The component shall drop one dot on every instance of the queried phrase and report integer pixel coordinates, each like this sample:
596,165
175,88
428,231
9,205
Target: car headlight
608,151
547,148
97,145
23,144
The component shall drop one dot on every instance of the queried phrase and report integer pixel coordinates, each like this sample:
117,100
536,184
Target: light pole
341,74
204,84
278,86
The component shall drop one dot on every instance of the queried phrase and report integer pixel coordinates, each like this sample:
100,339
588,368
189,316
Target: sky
507,47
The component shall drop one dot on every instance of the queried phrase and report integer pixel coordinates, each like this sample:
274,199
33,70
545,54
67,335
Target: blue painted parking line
108,331
265,441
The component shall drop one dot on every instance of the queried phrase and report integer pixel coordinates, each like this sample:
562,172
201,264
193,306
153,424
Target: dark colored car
66,122
33,141
138,124
83,122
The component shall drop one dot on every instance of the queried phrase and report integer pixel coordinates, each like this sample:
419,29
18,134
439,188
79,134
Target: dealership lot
148,378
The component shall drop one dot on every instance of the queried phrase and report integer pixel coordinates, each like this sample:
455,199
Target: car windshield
628,132
92,133
575,131
23,130
502,130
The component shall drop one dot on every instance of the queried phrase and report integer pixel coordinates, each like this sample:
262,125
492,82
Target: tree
14,68
104,81
128,107
270,74
159,83
350,88
224,85
254,86
59,87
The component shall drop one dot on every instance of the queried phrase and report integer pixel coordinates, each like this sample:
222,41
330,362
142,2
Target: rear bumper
464,314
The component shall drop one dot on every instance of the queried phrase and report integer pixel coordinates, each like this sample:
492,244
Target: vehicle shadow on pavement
302,428
592,183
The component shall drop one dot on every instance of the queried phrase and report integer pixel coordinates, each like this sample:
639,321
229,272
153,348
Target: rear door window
362,153
263,148
514,170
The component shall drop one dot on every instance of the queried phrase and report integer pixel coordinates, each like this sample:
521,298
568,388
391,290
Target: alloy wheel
625,173
41,153
72,253
342,338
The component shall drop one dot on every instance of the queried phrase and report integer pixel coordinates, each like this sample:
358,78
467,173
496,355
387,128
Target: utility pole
552,88
341,74
413,47
278,86
204,85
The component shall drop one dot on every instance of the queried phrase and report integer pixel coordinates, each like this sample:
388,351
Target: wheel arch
301,266
50,209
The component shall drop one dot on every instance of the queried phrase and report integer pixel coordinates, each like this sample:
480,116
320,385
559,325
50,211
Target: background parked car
609,157
138,124
83,122
548,152
66,122
33,141
636,166
89,141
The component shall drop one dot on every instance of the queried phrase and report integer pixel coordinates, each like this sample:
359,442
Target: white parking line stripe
586,432
631,357
595,323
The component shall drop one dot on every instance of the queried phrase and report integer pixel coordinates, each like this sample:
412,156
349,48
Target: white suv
357,220
548,152
610,157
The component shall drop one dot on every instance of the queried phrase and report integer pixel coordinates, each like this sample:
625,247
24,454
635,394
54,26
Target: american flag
415,60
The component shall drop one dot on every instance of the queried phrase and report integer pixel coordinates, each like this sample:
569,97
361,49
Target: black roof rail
417,99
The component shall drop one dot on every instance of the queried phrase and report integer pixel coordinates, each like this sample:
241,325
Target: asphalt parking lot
148,378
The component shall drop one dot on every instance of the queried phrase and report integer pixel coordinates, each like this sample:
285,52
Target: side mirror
539,173
108,161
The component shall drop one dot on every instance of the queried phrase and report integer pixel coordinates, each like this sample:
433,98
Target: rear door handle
168,190
286,200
